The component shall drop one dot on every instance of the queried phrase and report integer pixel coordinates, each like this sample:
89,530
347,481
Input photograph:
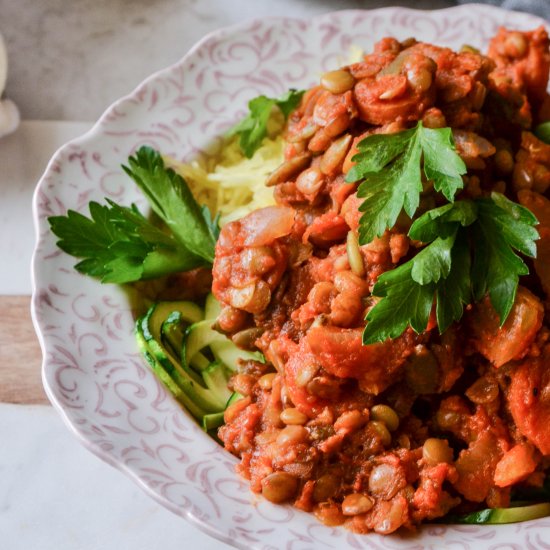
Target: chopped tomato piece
529,400
515,465
342,353
511,341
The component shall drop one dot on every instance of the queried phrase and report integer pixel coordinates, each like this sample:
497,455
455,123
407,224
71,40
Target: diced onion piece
265,225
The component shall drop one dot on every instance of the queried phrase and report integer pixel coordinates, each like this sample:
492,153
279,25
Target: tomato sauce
386,436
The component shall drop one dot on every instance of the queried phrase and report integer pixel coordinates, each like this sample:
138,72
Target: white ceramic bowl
92,370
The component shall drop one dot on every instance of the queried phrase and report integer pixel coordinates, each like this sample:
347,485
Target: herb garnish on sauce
470,245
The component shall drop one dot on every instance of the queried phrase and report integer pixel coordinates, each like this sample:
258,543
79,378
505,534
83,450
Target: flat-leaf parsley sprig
408,291
470,245
253,128
502,226
118,244
390,167
469,253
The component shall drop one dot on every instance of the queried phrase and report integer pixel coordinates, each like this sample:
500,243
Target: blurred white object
9,114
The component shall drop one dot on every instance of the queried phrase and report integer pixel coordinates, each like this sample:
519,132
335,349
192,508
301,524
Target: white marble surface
55,495
68,61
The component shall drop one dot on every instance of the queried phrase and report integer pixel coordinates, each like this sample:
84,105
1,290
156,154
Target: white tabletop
68,62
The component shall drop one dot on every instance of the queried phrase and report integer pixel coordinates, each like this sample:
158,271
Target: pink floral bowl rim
92,371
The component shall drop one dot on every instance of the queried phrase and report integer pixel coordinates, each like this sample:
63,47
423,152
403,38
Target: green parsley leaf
119,245
408,292
377,151
390,167
433,262
502,226
489,228
387,191
289,101
542,131
212,223
404,302
253,128
443,221
454,291
172,200
442,164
